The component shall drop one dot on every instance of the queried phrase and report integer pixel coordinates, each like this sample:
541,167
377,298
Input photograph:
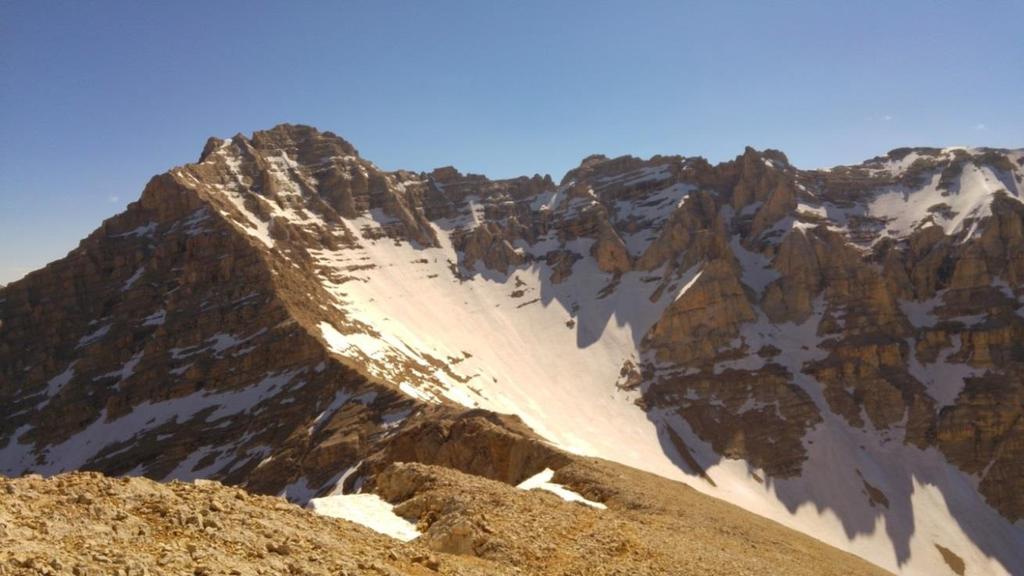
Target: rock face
285,316
152,346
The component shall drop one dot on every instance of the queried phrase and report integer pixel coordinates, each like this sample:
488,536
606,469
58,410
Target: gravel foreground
87,524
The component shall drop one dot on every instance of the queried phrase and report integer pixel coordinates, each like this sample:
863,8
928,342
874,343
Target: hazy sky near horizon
96,97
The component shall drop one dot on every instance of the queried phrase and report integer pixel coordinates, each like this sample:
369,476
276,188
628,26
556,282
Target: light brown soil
652,525
88,524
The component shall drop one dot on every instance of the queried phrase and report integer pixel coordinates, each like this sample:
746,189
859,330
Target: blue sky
96,97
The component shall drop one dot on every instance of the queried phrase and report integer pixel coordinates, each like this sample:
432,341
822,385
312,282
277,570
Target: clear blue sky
96,97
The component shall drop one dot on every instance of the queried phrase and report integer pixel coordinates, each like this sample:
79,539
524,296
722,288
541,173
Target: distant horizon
97,97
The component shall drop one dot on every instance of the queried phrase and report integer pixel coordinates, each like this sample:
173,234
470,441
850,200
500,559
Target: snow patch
968,200
156,318
144,230
93,336
55,384
125,371
542,481
690,278
921,314
757,269
368,510
943,379
82,447
134,278
340,398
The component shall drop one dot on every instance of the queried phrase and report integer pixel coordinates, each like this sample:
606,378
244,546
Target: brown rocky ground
88,524
85,523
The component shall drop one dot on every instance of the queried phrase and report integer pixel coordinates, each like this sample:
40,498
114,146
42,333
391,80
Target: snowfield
554,355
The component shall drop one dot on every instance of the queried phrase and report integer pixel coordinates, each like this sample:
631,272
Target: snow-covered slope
525,356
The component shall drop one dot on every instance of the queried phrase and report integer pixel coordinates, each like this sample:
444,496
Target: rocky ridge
84,523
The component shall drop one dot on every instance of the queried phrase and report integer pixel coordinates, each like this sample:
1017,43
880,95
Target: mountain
841,351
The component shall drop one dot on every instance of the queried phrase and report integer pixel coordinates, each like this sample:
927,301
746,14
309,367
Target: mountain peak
297,136
301,142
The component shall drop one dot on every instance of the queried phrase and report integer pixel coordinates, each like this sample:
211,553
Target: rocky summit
839,351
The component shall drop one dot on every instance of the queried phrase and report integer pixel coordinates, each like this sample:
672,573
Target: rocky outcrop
981,433
760,416
499,447
763,183
609,251
644,531
707,315
490,245
167,311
